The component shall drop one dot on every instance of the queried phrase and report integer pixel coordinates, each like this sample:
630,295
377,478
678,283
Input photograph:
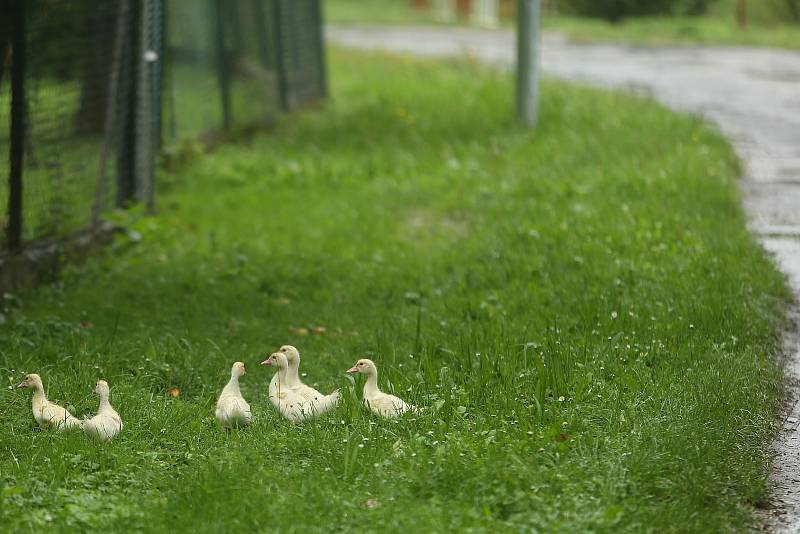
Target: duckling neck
292,375
282,373
232,387
104,403
39,398
281,385
371,386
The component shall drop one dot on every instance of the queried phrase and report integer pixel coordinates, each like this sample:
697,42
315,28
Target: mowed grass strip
580,306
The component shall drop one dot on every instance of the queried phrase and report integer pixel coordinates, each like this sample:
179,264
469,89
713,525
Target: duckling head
281,361
278,359
363,366
238,370
101,388
292,354
31,381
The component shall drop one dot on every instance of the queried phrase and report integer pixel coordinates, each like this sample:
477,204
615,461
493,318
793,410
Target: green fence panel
107,85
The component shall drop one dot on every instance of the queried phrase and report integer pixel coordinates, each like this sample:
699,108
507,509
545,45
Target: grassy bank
581,307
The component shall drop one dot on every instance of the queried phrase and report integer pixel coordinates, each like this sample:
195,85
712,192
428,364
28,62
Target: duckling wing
55,416
295,407
316,401
102,426
233,411
327,403
388,405
307,392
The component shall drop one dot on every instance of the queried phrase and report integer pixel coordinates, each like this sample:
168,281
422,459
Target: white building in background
444,10
485,13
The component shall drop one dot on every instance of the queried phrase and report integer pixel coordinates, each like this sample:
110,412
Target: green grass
581,306
768,25
675,31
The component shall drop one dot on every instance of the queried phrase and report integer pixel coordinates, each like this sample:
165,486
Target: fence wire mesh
67,71
107,83
193,97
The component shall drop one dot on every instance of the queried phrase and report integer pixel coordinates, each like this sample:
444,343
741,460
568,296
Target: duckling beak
352,370
268,361
22,385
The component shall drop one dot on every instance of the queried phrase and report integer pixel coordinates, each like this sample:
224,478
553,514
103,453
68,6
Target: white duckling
107,424
291,404
379,402
46,413
232,410
320,403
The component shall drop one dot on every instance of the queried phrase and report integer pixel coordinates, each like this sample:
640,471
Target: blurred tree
694,7
5,45
793,8
616,10
741,13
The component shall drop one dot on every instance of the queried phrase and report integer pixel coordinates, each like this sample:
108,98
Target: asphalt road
751,94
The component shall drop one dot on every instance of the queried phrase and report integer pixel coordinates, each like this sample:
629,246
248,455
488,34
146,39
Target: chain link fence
92,92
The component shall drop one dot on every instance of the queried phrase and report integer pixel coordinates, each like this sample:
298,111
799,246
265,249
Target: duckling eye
361,364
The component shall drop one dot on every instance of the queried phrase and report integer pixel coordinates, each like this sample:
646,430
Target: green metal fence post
144,141
280,59
159,27
528,61
17,149
149,100
319,45
126,139
261,31
224,74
